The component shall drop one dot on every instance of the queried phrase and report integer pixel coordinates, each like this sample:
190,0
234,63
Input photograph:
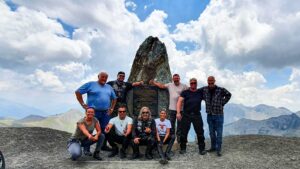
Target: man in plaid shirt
215,98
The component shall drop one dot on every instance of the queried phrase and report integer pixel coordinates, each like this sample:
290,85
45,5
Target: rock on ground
46,148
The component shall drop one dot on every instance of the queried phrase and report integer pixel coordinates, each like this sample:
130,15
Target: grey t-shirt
79,134
174,92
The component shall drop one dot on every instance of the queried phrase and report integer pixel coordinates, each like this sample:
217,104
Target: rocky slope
46,148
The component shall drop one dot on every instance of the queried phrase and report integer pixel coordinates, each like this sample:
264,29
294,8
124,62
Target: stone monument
150,62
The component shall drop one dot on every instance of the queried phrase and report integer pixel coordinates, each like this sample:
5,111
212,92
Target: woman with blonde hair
143,132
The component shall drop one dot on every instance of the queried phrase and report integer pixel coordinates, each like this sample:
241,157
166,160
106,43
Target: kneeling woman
83,136
163,127
143,133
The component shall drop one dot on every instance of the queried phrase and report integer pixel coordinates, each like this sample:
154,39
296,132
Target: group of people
106,112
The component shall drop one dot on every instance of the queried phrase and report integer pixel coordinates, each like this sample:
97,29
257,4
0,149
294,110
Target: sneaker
96,155
202,152
219,154
183,151
87,153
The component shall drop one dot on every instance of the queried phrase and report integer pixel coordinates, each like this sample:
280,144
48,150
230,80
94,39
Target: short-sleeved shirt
192,101
120,125
162,126
121,89
98,96
174,93
79,134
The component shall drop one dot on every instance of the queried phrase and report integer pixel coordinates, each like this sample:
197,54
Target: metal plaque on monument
151,62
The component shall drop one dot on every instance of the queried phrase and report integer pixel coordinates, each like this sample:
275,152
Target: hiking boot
122,154
96,155
219,154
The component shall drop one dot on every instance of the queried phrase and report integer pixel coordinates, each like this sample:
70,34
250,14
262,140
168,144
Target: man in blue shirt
101,96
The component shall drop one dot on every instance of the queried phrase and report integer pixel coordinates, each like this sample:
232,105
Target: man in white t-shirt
163,127
175,88
118,130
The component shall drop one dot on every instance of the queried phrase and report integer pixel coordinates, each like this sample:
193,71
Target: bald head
211,81
102,78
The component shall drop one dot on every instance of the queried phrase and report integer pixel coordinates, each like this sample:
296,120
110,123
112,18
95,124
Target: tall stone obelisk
151,62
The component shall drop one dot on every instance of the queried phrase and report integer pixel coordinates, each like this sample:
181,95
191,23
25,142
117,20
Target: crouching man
83,136
118,130
163,127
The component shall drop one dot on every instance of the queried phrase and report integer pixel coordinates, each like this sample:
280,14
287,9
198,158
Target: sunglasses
211,83
193,83
145,112
122,111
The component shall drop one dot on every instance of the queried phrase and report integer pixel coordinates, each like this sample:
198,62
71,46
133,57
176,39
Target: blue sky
178,11
55,46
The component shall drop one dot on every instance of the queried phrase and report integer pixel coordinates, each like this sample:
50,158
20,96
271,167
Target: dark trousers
113,138
170,141
215,124
172,117
186,121
148,141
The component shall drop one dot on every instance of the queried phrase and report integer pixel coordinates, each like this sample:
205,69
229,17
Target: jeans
74,146
172,117
170,141
103,118
215,124
186,121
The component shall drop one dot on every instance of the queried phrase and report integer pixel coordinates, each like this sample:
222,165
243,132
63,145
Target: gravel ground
46,148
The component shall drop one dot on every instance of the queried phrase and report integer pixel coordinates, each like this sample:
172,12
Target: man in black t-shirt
191,99
121,88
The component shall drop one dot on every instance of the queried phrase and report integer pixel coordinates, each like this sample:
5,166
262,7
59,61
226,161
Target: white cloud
131,4
46,80
72,70
239,32
295,76
29,38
